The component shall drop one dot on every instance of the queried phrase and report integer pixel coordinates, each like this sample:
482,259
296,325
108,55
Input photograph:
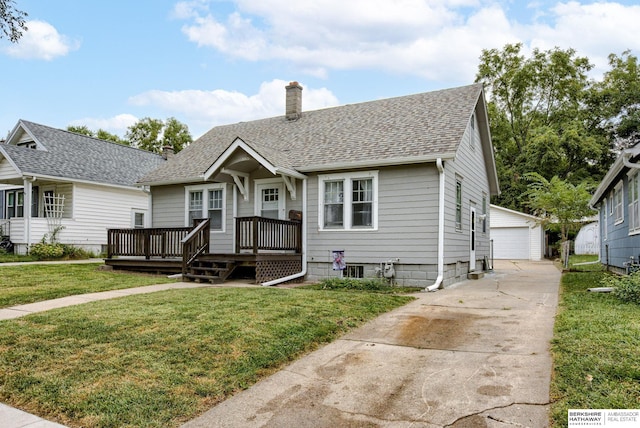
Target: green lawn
595,348
30,283
160,359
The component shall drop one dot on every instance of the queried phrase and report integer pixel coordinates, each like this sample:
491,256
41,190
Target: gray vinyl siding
470,167
168,209
167,206
407,221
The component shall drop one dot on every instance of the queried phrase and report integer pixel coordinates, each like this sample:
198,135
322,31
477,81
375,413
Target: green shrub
626,288
44,251
368,284
75,253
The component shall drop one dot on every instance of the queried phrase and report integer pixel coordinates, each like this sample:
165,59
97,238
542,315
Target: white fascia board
171,182
238,144
374,163
607,181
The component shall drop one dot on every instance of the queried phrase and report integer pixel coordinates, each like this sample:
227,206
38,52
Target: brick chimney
294,101
167,152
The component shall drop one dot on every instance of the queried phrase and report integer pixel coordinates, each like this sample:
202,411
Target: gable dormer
21,137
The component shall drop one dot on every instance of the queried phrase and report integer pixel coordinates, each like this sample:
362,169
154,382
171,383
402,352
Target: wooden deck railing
195,243
153,242
259,233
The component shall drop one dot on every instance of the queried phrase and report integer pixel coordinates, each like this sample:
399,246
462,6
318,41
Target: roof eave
374,163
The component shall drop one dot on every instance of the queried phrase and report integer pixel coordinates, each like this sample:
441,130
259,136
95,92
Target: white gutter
303,272
626,159
438,283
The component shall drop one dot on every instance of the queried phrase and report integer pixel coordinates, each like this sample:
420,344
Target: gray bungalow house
54,180
616,200
396,188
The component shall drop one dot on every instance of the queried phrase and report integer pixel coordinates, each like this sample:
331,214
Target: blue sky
107,64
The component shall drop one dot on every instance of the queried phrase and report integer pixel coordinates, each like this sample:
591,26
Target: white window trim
282,197
632,181
605,228
618,191
348,178
204,188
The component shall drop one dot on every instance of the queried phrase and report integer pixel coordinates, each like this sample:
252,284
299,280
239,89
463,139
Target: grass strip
37,282
160,359
595,349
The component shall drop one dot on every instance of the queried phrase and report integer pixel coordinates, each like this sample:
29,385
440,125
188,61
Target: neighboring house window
617,199
206,202
15,203
28,145
634,213
458,205
348,201
138,219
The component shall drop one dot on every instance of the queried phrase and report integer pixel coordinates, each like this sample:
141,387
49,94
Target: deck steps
211,270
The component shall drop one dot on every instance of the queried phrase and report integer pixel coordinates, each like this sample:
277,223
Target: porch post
26,211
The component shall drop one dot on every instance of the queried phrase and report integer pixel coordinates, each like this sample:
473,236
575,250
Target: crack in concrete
480,413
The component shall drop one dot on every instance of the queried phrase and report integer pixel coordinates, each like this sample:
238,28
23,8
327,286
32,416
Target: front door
472,239
271,201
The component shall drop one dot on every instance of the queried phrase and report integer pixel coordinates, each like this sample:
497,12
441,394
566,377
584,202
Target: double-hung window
617,202
634,209
206,202
348,201
458,205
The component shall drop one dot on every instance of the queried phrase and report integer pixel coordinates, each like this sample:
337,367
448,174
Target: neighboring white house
588,239
516,235
76,185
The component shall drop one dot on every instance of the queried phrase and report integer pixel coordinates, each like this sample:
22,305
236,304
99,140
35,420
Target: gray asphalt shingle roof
415,126
68,155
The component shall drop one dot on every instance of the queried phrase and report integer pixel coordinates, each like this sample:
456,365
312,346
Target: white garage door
511,243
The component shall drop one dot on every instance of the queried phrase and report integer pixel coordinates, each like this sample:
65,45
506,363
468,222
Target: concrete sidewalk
474,355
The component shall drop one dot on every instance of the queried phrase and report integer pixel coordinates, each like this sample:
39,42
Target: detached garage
515,235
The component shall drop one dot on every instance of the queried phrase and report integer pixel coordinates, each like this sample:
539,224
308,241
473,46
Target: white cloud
41,41
116,125
435,39
205,109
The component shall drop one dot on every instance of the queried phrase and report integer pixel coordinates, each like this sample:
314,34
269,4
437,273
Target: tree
153,134
101,134
616,101
557,200
12,21
538,117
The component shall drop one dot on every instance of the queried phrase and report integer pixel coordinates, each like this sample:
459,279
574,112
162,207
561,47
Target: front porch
265,249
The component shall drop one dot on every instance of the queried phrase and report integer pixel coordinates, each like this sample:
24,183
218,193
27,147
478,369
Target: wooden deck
267,249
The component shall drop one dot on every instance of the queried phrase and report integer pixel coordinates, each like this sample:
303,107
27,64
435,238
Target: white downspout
438,283
303,272
234,214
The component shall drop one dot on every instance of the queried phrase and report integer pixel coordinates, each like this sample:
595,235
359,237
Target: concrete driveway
474,355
